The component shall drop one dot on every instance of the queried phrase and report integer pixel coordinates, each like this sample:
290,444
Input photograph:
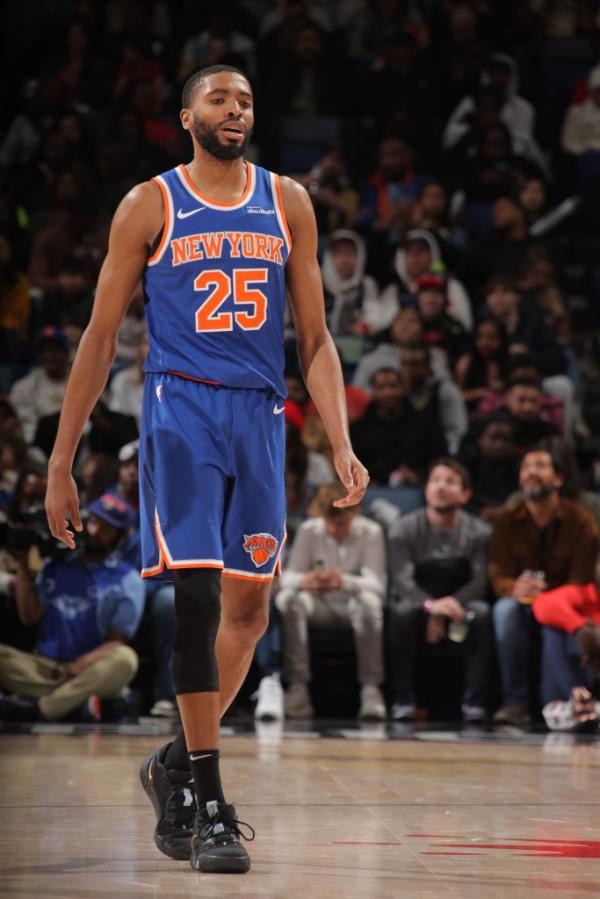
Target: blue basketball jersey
215,285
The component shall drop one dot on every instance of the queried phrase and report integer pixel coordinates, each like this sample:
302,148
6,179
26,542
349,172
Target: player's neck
222,180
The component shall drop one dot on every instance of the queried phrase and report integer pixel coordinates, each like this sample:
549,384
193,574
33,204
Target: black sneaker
172,795
216,847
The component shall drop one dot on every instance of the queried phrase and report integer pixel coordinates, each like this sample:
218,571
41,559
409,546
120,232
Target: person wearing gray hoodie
352,299
419,255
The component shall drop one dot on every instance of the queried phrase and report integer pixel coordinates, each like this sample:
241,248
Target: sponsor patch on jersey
259,210
260,547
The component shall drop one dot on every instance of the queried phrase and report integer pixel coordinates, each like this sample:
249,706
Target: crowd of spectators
452,154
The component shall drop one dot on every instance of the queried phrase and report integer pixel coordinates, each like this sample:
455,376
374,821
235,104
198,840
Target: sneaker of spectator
352,300
270,699
439,398
165,708
418,256
372,704
298,703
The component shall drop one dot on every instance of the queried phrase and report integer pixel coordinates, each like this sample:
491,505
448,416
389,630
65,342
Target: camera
30,528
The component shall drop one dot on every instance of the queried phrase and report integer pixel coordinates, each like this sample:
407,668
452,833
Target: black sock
204,765
176,754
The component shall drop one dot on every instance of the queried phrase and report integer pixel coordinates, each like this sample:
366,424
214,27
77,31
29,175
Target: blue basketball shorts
212,482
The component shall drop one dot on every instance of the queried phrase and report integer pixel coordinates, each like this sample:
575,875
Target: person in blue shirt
86,606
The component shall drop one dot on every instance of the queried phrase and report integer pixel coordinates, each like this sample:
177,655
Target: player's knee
249,622
197,614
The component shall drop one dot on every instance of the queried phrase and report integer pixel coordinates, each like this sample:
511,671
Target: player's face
221,115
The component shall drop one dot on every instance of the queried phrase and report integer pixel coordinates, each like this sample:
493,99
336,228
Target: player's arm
135,225
318,356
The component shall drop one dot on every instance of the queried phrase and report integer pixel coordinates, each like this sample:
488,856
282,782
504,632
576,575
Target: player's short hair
195,80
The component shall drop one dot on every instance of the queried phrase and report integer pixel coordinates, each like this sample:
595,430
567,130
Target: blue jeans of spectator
268,649
512,628
561,665
161,599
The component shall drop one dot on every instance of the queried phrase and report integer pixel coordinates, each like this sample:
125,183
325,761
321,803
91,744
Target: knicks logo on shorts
260,547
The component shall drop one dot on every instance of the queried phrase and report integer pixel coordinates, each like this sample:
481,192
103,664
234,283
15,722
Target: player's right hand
62,506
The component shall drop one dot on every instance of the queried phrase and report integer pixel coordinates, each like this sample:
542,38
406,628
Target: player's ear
185,117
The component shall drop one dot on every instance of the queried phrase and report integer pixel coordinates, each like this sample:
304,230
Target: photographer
86,606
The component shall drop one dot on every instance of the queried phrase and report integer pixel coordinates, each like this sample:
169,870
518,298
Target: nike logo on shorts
278,410
184,215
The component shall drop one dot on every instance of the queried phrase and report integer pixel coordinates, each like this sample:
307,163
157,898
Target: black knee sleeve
197,613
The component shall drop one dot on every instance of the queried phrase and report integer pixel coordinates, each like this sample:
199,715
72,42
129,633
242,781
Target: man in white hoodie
419,255
352,299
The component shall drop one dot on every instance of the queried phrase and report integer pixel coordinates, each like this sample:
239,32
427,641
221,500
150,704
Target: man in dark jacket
396,442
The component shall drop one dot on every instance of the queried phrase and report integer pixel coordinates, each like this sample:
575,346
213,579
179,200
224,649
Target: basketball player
217,242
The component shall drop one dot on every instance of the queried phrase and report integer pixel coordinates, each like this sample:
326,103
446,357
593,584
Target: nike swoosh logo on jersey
278,411
184,215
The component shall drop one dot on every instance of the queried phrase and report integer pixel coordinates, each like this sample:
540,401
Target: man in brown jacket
540,544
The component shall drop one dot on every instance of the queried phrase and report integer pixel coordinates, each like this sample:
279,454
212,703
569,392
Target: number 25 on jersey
253,317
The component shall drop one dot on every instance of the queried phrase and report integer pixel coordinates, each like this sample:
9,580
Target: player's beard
209,140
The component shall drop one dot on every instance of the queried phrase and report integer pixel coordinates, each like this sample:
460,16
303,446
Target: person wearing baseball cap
439,329
86,605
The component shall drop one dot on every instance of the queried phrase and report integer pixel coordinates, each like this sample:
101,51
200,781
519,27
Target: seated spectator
13,456
41,392
570,620
565,461
431,213
438,398
544,542
528,334
440,330
522,407
394,441
490,455
405,331
132,331
523,367
419,256
537,280
501,76
15,305
86,606
386,198
533,198
352,300
108,431
336,572
438,568
581,127
320,468
198,51
483,368
334,199
127,386
505,246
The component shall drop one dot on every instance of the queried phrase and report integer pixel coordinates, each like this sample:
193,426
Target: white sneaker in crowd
269,706
372,706
297,702
164,708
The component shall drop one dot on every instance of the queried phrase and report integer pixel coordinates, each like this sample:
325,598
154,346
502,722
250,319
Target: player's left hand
353,475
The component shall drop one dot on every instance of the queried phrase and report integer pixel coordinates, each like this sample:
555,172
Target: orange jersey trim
247,577
279,201
167,227
205,199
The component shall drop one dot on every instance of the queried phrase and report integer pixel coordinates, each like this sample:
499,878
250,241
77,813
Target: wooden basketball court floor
354,815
